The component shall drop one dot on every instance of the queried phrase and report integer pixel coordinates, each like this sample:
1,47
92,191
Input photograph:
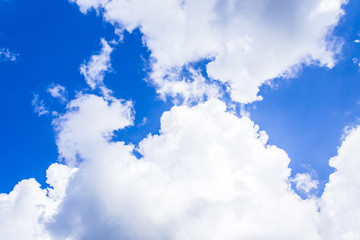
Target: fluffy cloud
250,41
304,182
207,175
340,206
25,211
89,121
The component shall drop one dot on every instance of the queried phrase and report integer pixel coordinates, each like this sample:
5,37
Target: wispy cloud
6,55
94,70
57,91
356,62
39,106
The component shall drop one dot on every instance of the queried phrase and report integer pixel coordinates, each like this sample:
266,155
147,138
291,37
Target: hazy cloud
57,91
39,106
6,55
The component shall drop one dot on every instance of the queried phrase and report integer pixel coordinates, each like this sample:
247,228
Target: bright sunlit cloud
209,172
250,42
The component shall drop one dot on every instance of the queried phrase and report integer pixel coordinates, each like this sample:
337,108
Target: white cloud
22,210
58,176
39,106
57,91
304,182
207,175
88,120
250,41
340,205
189,89
94,70
25,210
6,55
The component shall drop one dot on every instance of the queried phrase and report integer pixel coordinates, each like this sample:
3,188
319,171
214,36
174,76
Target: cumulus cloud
94,70
208,174
89,121
340,206
6,55
26,209
250,42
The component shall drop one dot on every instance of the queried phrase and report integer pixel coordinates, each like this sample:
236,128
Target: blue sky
306,114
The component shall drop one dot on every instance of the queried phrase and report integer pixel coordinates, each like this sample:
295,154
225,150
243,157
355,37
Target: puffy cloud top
250,41
207,175
340,201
